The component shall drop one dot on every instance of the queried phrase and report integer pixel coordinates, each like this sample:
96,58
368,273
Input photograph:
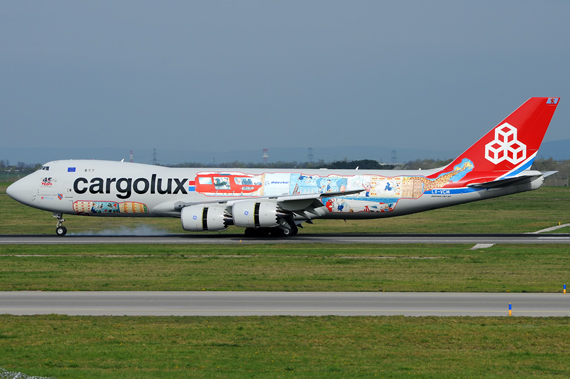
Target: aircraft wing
512,180
313,195
286,202
301,202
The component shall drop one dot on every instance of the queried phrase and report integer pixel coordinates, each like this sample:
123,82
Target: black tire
262,232
294,230
276,232
61,231
259,232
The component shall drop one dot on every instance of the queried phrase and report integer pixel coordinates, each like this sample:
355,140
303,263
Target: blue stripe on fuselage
451,191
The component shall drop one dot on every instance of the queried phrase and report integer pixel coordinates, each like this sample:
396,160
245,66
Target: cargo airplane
268,201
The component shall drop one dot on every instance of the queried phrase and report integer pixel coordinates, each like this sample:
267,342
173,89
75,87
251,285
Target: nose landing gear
60,230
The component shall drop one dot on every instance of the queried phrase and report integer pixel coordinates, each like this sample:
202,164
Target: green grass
282,267
316,347
520,213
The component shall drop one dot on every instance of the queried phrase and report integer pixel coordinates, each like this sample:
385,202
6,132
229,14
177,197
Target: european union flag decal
71,169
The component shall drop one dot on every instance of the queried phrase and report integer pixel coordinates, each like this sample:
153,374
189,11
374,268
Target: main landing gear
287,232
60,230
278,231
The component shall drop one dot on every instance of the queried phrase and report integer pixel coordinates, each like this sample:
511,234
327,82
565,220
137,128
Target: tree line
10,172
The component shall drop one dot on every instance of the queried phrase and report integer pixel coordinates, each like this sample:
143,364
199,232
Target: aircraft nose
19,191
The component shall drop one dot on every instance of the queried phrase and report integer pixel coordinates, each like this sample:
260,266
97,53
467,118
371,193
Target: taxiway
283,303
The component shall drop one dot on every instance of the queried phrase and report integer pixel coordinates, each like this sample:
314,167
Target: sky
248,75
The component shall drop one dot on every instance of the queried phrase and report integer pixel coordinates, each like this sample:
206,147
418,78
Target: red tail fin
511,146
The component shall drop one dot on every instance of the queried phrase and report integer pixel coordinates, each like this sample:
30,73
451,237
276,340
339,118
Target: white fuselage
106,188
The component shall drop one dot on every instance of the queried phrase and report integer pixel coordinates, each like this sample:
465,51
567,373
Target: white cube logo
505,146
516,152
494,152
505,134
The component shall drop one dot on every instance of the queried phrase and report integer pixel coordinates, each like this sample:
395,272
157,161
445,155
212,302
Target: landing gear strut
60,230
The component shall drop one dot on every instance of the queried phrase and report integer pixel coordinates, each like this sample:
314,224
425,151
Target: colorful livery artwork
109,207
379,193
226,184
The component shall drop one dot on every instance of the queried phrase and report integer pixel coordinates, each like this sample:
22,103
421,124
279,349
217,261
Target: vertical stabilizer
511,146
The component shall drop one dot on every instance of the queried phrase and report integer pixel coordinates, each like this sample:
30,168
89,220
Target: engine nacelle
197,218
255,214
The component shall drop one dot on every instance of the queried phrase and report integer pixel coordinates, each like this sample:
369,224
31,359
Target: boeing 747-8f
277,201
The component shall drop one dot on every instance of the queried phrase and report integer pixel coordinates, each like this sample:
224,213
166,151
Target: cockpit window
45,168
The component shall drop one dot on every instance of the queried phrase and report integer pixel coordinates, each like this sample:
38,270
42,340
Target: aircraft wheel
294,230
262,232
276,232
259,232
61,230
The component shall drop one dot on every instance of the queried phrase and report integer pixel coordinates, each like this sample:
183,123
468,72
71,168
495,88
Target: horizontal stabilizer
548,173
531,175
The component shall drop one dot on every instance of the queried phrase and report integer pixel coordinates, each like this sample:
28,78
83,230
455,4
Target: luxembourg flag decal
191,185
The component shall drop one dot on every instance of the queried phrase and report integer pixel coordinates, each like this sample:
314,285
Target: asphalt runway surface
283,303
221,239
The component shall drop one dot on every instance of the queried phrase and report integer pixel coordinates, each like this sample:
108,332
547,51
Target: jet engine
255,214
197,218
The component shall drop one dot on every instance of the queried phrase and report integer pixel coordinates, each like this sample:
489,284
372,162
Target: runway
298,239
283,304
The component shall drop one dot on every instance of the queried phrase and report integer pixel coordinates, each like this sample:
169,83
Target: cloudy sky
247,75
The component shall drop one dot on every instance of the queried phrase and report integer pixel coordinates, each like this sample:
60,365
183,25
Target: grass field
296,347
292,347
281,267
